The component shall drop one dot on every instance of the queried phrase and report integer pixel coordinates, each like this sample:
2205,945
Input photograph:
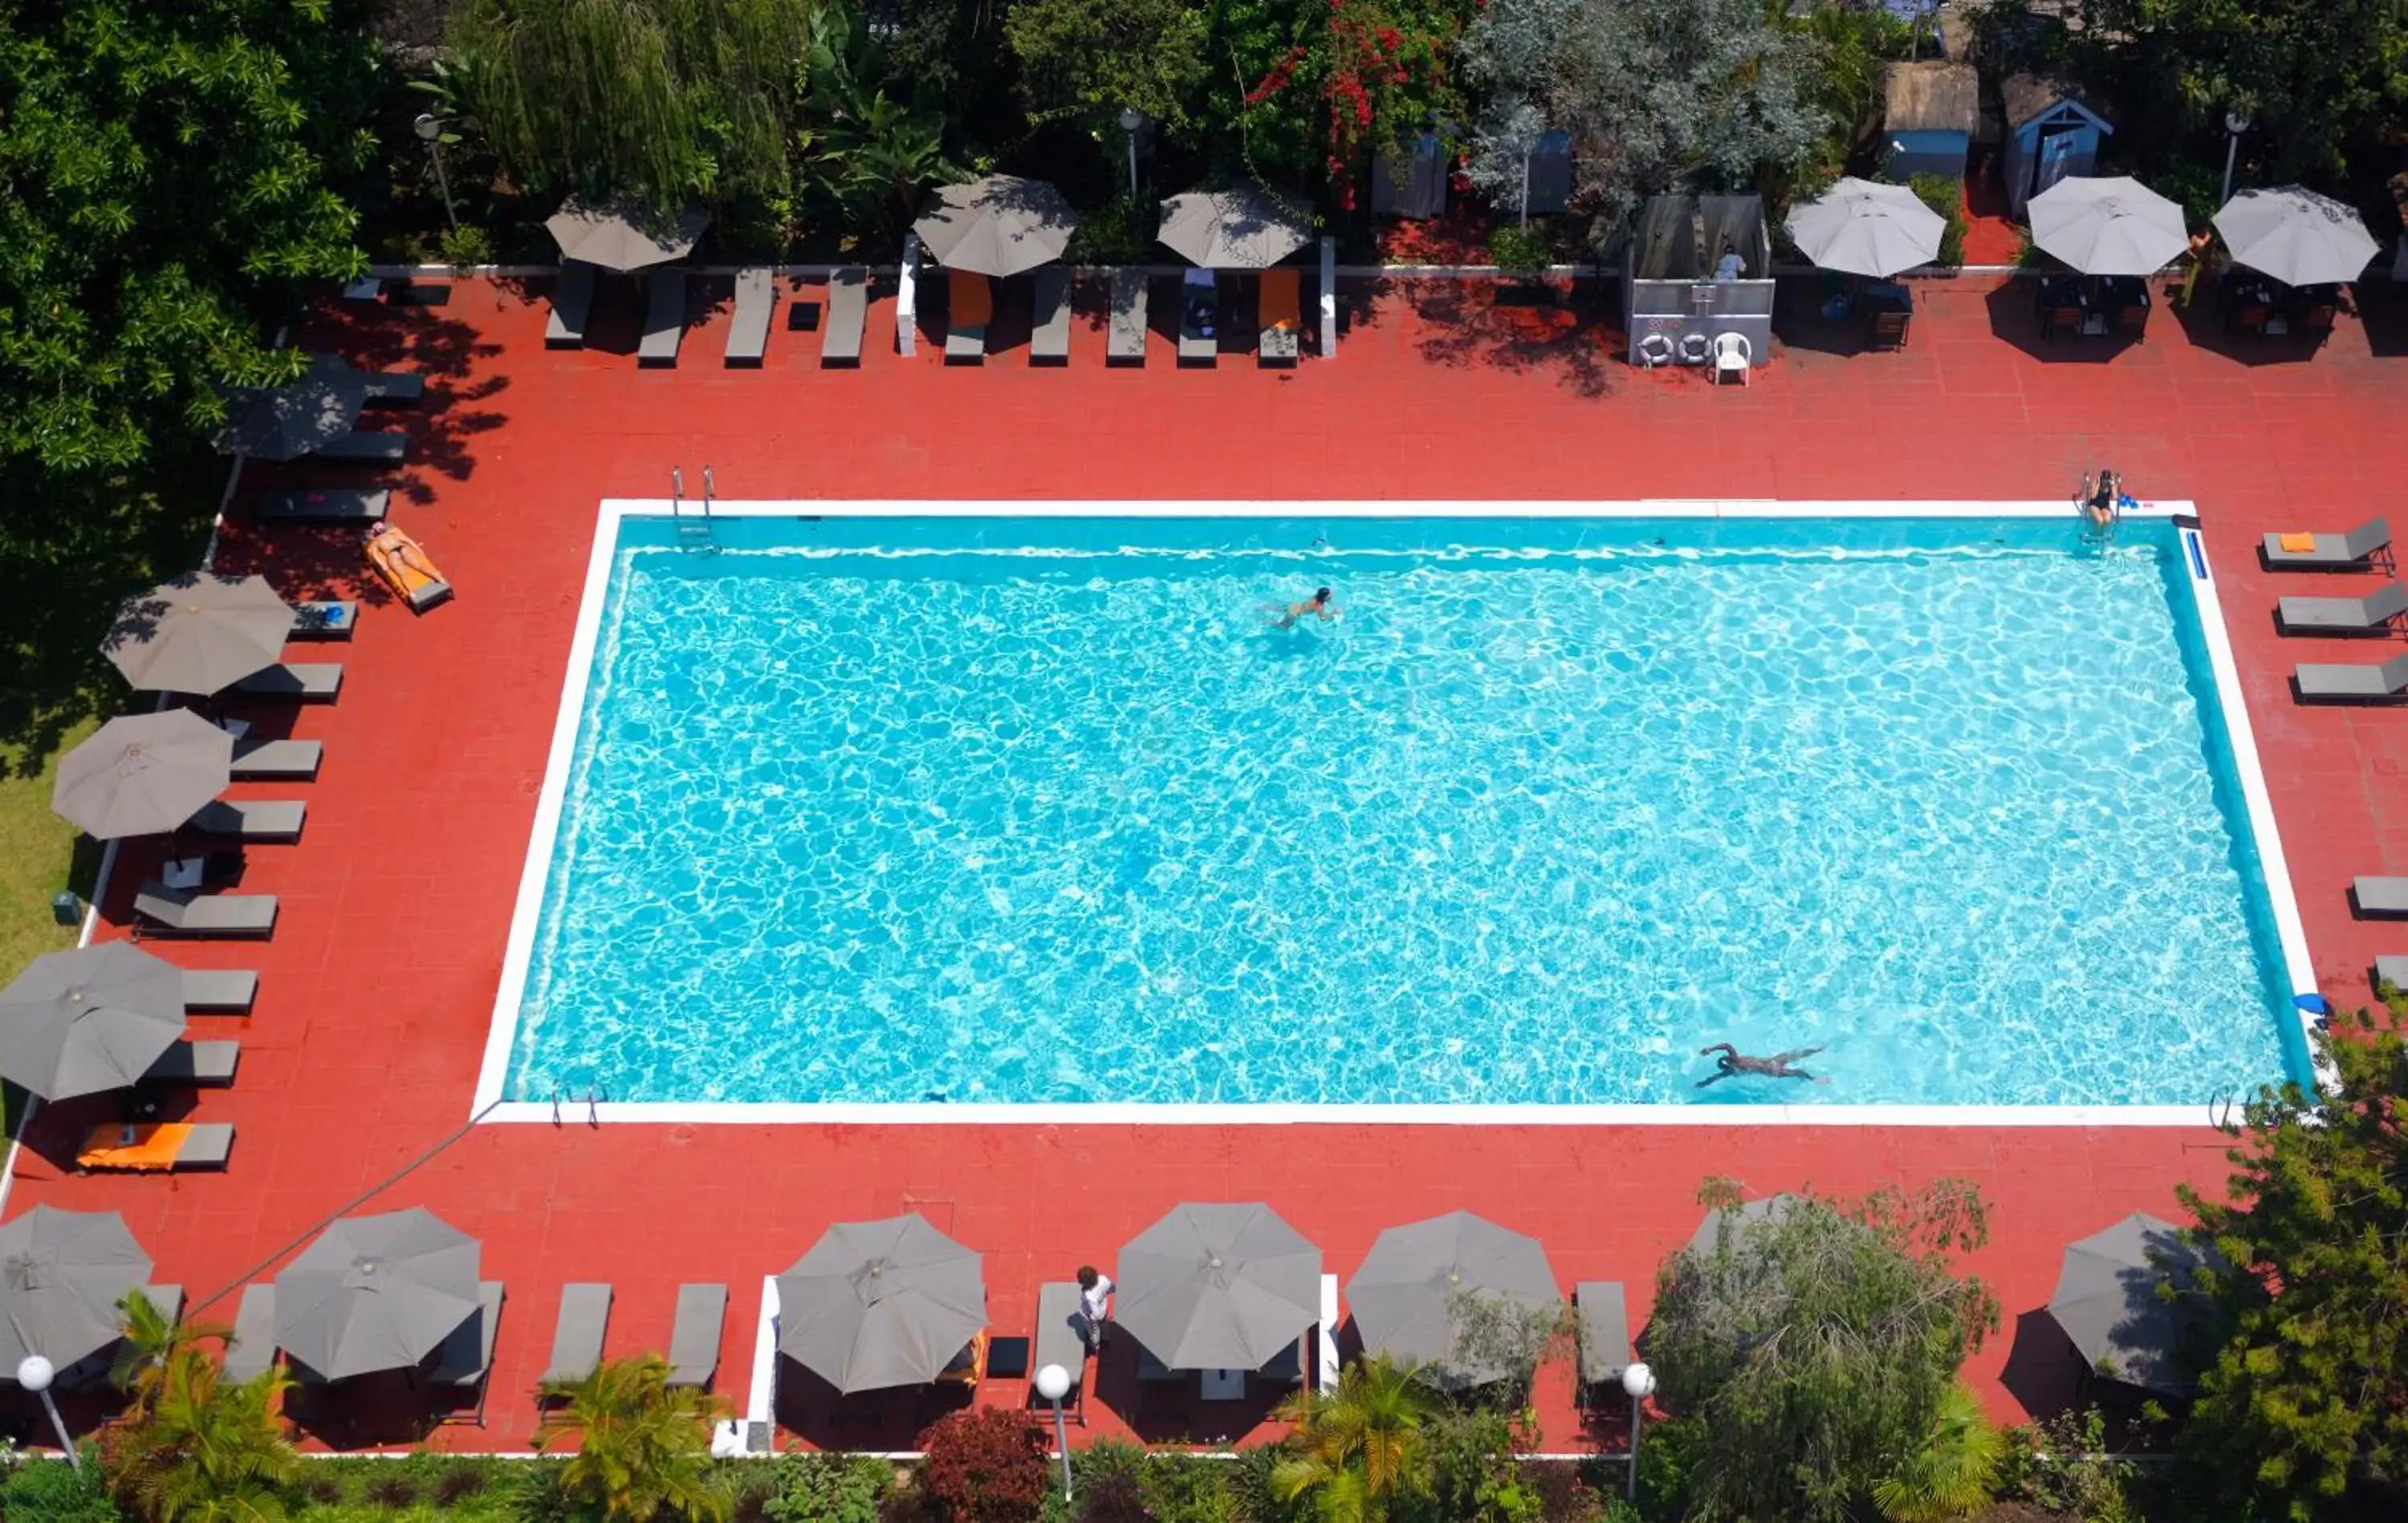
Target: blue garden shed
1928,113
2050,137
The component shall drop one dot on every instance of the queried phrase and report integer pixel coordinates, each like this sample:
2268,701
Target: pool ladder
693,530
592,1103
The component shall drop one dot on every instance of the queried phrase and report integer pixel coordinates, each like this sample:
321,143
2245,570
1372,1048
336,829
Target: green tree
1093,59
163,189
643,1448
654,101
1951,1471
862,154
198,1448
1357,1450
2303,1397
149,1340
1817,1346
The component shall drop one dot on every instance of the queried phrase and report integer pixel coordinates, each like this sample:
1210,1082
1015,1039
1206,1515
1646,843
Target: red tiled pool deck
376,991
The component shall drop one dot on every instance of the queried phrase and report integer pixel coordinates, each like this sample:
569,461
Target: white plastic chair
1731,353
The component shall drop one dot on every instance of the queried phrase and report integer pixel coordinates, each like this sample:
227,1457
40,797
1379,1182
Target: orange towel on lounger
2299,542
1282,301
971,299
135,1147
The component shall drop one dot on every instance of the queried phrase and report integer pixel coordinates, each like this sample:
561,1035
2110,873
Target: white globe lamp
35,1373
1053,1383
1639,1383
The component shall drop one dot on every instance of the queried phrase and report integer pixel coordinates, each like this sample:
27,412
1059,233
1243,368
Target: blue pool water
1025,811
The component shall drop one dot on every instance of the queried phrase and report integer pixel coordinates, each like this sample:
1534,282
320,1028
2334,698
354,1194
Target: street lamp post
35,1373
2234,124
1639,1382
430,132
1053,1383
1131,120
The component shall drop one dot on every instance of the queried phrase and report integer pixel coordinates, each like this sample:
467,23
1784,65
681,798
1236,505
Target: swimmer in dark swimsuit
1734,1062
1316,607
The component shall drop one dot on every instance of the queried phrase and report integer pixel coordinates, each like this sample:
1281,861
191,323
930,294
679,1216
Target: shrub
986,1465
394,1490
54,1491
829,1488
322,1488
1250,1487
465,247
1520,251
1184,1491
2033,1467
1945,194
456,1483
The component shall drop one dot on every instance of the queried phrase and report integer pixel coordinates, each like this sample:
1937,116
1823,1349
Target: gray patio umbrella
198,633
2108,225
879,1303
999,225
1740,1217
76,1023
1244,227
622,237
1862,227
61,1275
1218,1287
2296,236
283,422
2107,1300
142,774
376,1292
1408,1292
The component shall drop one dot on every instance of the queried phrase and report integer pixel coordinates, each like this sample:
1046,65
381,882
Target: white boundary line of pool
527,914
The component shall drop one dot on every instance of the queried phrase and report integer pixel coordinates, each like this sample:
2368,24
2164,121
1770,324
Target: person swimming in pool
1316,606
1734,1062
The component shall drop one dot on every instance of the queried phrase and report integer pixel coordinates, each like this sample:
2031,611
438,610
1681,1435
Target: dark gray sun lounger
1127,345
180,912
965,325
693,1337
757,303
1198,347
307,681
464,1359
1604,1333
2380,896
577,1337
2385,682
386,387
253,1349
847,309
207,1145
2367,545
277,760
276,821
325,619
664,317
369,449
572,303
335,506
220,990
2393,970
2345,616
1049,324
196,1063
1060,1341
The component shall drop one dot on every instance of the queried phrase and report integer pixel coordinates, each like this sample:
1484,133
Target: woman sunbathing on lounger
1733,1062
400,551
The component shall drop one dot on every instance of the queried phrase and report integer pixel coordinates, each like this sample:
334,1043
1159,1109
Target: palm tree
150,1337
643,1448
1951,1472
200,1449
1357,1449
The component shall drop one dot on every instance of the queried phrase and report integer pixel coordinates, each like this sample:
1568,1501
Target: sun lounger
2392,970
370,449
1060,1341
2381,896
276,821
1604,1333
328,618
1286,1367
693,1337
1283,317
338,506
847,309
2385,682
2368,545
464,1359
1127,345
1200,318
196,1063
388,386
254,1349
969,306
156,1147
1049,322
310,682
402,563
572,302
277,760
756,302
2370,614
664,317
162,911
577,1337
220,990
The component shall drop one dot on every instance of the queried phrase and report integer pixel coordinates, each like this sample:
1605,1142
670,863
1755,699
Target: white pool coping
527,914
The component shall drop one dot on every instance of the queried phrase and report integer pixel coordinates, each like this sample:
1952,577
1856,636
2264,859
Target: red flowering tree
985,1465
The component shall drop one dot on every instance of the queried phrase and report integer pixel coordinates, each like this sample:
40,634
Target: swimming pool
981,811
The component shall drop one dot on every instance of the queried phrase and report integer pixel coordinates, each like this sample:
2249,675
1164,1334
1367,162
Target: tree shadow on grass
1534,328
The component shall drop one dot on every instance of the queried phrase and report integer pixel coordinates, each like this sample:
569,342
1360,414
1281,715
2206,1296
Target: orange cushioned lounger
971,299
149,1147
406,569
1281,301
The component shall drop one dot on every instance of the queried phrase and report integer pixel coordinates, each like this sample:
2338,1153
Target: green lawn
38,854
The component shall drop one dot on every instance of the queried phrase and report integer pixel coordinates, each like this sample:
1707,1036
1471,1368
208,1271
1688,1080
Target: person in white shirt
1730,266
1095,1305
